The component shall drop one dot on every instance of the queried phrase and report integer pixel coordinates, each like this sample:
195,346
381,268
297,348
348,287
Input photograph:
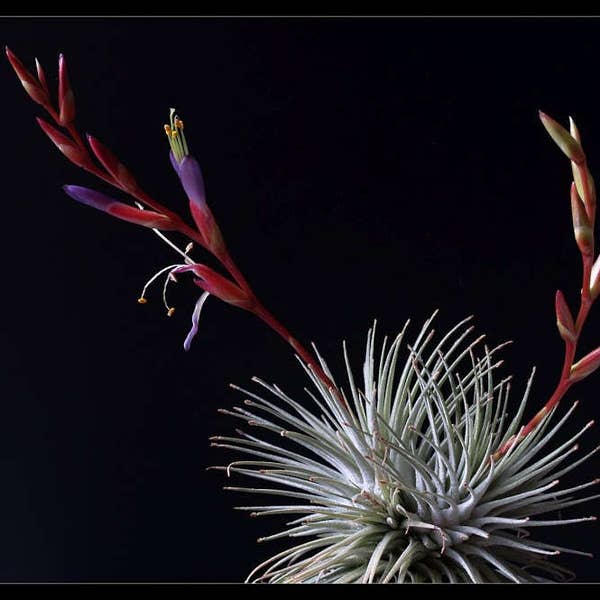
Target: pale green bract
403,488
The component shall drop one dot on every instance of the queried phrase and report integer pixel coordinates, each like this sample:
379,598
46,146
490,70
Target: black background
359,168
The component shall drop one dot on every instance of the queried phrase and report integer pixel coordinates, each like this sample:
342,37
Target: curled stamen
168,279
142,299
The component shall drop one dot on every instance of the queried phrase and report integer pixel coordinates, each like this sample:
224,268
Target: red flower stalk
583,211
235,291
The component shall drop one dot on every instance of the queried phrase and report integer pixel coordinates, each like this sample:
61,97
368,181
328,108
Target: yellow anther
142,300
167,129
170,311
178,123
174,133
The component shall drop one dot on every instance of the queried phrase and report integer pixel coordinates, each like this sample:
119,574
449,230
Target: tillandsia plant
417,473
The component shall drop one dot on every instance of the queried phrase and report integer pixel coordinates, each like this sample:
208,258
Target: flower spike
235,291
583,209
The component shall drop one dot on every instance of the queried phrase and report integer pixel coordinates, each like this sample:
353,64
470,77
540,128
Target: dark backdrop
359,168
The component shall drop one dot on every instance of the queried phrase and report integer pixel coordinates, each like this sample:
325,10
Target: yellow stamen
167,130
142,300
174,133
170,312
178,123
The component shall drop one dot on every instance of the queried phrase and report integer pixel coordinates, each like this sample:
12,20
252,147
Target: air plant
416,474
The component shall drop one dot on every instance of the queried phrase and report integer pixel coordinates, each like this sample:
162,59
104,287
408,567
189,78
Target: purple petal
192,181
174,162
89,197
195,319
147,218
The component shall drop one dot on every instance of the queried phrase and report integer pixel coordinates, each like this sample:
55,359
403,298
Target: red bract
66,100
582,228
218,286
36,90
564,320
208,227
65,144
564,140
42,76
587,365
112,164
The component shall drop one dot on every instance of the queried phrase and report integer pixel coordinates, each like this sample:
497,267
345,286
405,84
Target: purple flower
192,181
174,162
100,201
189,173
186,166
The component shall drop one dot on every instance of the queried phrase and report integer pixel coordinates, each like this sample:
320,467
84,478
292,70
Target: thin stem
230,265
302,352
